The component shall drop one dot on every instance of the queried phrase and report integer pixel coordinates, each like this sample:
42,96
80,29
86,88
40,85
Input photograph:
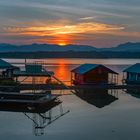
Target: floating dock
27,102
62,87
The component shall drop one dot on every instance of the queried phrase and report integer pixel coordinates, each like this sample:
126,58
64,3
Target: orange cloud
53,30
66,33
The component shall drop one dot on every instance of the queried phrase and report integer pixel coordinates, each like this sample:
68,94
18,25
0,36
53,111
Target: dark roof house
93,74
6,70
5,65
134,68
87,67
132,75
33,70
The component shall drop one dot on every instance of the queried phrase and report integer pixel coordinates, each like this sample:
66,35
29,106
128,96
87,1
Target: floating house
6,69
33,70
6,73
132,74
93,74
27,101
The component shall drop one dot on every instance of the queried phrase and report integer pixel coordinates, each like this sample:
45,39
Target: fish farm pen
86,76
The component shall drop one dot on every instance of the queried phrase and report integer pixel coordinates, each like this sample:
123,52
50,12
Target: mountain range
126,47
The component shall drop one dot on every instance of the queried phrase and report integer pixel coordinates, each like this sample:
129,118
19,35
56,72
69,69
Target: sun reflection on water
62,71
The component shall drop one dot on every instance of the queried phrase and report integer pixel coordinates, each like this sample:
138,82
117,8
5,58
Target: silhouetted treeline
70,54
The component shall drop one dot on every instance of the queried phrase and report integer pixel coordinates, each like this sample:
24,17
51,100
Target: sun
62,44
62,41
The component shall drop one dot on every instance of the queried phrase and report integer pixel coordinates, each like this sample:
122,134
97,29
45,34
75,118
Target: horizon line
18,45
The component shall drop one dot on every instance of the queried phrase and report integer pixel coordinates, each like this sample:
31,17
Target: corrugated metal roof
4,64
33,68
134,68
87,67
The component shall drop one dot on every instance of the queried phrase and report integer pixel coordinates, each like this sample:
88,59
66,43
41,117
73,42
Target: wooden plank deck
62,87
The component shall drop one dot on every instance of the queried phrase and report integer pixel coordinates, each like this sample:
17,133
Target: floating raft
27,102
62,87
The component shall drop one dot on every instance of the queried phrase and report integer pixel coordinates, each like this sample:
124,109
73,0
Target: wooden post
123,75
117,79
111,78
16,79
71,78
25,61
33,83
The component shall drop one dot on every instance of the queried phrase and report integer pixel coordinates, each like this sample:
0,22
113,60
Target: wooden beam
62,87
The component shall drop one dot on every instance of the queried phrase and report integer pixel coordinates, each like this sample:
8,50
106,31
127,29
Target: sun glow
62,44
64,34
62,71
62,40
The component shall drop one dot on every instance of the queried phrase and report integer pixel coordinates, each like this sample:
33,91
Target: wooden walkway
62,87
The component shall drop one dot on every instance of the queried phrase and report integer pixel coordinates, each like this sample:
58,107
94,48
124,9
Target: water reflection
133,92
98,97
40,118
62,71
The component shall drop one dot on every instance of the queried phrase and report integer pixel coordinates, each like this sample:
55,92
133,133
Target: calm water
111,117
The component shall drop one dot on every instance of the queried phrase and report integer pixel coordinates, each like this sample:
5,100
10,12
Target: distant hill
127,47
44,47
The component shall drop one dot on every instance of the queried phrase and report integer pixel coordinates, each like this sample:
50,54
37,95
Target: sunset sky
100,23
